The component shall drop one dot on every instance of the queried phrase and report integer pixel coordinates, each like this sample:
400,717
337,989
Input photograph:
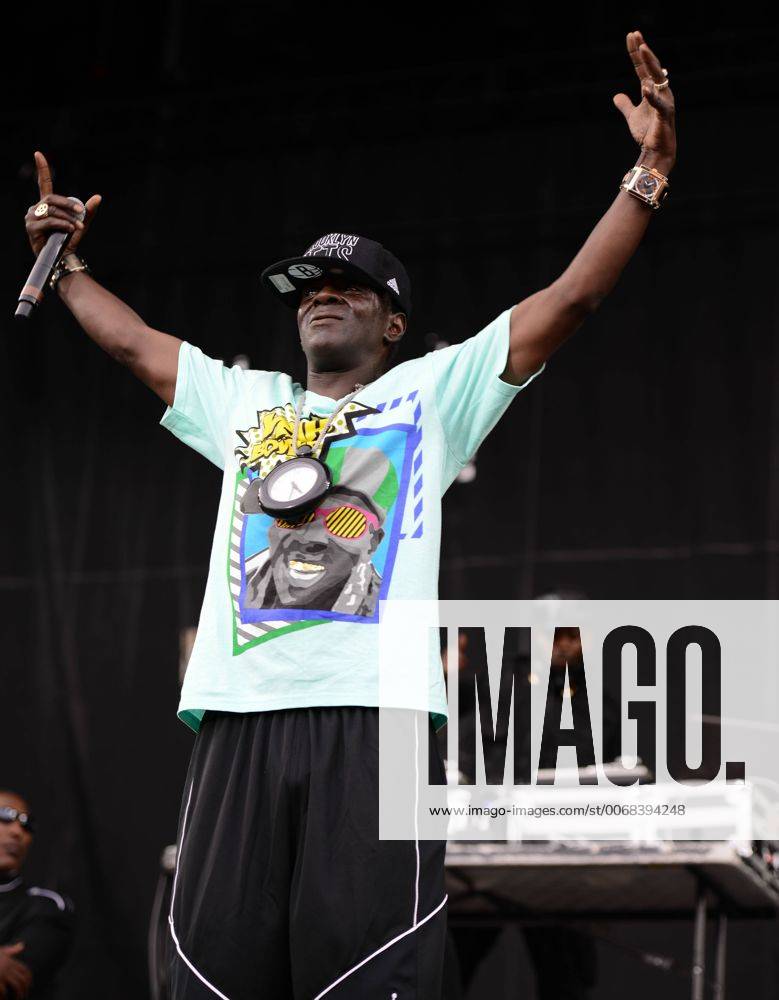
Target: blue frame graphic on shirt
283,579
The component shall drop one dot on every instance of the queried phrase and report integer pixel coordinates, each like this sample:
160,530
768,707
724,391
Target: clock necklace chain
320,438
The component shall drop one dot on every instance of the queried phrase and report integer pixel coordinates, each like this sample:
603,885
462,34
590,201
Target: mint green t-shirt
290,612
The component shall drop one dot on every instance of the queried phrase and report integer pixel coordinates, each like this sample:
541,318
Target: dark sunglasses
10,815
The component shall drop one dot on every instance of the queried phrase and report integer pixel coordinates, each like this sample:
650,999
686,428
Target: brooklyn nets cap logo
340,245
304,271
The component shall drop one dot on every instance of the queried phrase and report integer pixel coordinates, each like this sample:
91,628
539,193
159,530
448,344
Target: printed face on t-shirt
312,560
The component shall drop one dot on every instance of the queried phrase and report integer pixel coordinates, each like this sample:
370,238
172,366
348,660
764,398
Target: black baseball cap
340,253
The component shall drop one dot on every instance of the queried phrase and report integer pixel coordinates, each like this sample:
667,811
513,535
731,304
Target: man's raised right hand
150,354
63,213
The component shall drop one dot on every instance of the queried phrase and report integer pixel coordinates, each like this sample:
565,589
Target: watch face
292,482
294,486
647,185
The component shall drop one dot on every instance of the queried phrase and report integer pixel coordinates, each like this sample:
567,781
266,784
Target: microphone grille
83,213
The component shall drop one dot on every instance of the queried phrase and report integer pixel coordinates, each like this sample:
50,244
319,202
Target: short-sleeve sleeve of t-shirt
470,394
204,393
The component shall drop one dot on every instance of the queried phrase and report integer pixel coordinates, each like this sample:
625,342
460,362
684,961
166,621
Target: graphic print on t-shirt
336,563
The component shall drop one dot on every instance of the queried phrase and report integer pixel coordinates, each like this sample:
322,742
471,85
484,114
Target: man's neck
337,384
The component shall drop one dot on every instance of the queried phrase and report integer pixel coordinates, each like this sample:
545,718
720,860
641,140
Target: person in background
36,925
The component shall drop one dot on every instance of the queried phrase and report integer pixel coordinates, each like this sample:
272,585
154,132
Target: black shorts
283,889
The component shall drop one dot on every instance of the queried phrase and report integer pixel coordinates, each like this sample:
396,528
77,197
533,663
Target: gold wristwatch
646,184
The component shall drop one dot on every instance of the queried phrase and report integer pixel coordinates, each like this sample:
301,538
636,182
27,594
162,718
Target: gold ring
663,85
41,210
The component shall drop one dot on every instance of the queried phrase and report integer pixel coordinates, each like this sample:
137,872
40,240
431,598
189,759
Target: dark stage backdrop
644,463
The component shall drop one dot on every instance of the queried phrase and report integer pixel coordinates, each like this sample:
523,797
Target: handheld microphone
32,293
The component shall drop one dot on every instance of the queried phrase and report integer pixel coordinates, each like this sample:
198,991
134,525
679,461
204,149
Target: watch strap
69,263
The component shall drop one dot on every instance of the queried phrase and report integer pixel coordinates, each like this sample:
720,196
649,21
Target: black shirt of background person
43,921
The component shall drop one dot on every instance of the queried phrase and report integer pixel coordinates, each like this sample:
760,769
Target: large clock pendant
294,487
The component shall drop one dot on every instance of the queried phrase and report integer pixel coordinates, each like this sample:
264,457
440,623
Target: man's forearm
150,354
543,321
111,323
595,269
